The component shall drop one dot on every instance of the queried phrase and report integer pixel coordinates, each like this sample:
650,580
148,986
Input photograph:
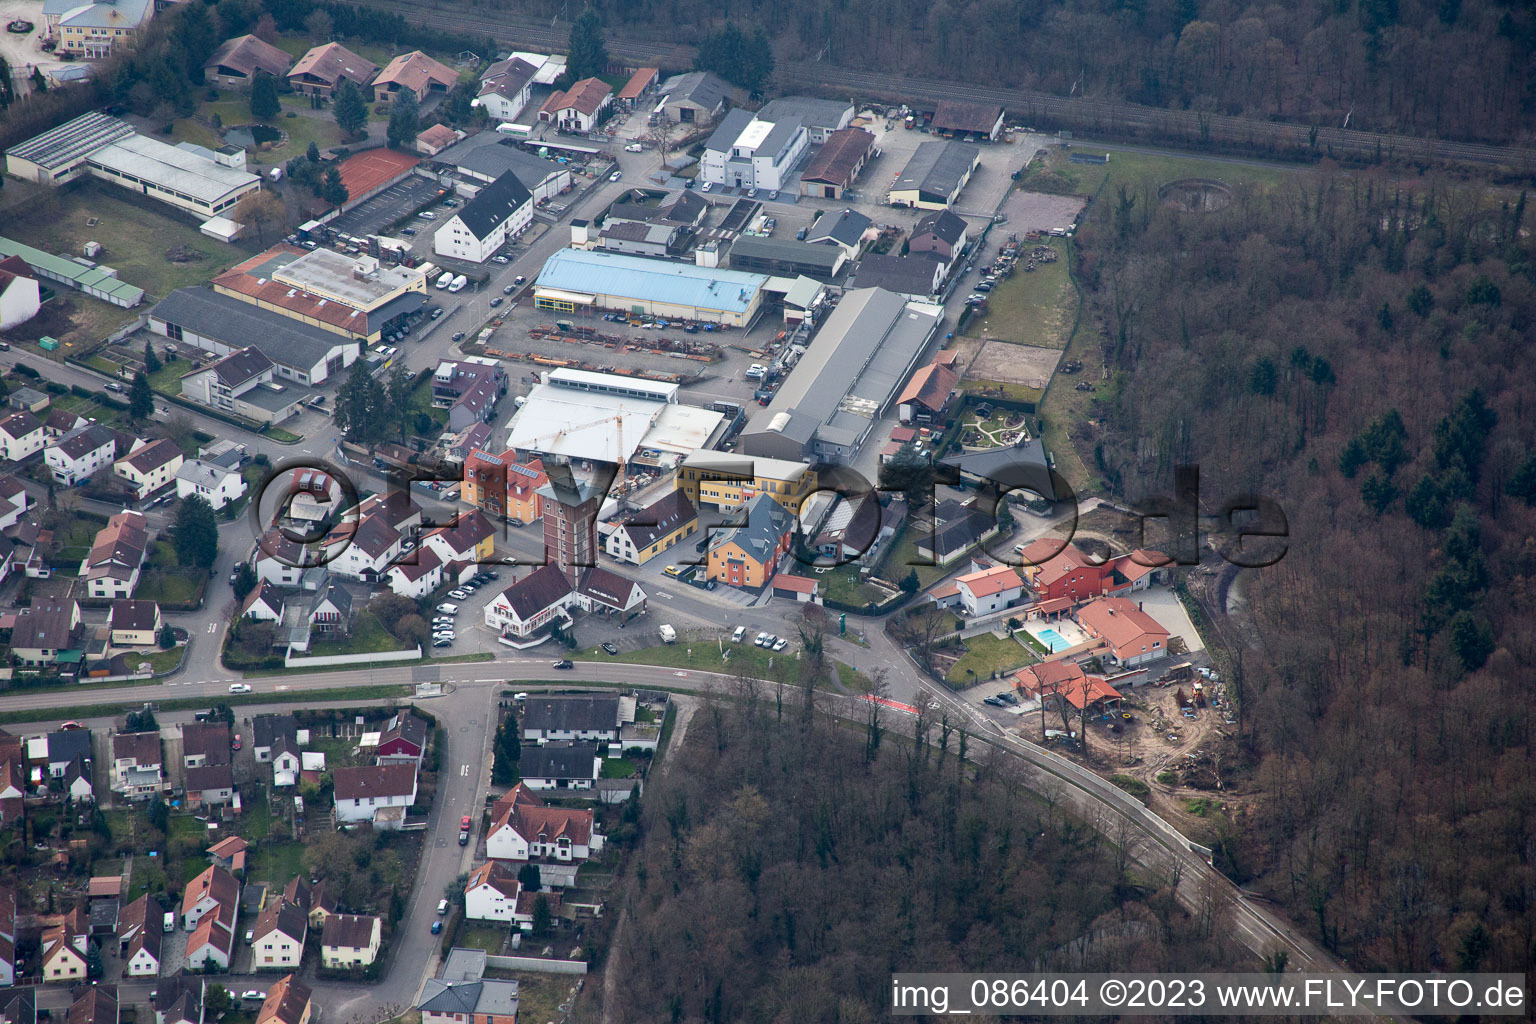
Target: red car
464,822
235,743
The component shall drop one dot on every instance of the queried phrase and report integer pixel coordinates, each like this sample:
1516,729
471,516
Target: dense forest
1358,349
1452,68
790,865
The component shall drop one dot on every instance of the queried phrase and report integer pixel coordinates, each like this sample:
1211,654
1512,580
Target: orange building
504,488
748,556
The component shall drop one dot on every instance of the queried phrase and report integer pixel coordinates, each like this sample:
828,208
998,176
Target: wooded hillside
1359,350
789,866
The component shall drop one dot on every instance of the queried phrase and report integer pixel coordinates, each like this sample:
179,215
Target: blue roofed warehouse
575,279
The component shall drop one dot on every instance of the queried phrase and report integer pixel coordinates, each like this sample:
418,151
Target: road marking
213,626
663,593
681,675
464,770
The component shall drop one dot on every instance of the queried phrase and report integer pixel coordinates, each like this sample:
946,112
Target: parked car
565,663
437,927
113,385
751,193
427,215
252,993
464,822
508,290
439,642
437,311
741,631
239,687
461,594
780,643
672,570
463,838
762,640
774,194
448,608
234,742
458,335
706,186
608,648
496,301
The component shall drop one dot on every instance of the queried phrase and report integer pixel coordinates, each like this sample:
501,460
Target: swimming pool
1053,640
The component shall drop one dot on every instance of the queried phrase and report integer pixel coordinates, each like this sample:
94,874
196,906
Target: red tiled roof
796,584
586,96
1119,621
930,386
990,581
638,82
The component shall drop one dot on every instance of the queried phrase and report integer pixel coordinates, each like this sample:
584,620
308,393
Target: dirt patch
1014,364
1040,211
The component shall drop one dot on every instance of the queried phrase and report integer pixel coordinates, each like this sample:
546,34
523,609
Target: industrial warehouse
574,279
846,380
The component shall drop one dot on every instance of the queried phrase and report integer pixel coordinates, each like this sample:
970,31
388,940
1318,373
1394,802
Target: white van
170,922
444,280
736,637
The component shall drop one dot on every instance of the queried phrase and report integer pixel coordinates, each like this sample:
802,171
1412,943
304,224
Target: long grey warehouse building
846,380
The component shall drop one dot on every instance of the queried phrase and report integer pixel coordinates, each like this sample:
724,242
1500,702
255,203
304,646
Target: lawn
276,863
90,409
339,753
904,557
148,874
842,583
121,825
135,236
1135,169
161,661
852,679
256,819
1034,308
380,691
703,655
986,654
619,768
171,586
368,637
306,126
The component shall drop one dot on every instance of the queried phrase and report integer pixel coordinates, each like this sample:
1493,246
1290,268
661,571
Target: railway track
1093,116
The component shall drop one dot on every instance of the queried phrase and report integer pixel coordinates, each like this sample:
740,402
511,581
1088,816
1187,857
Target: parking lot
395,202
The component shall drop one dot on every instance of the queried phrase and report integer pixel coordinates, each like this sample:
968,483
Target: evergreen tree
1262,376
542,917
507,752
910,584
1378,492
1522,484
245,581
264,102
151,361
589,50
141,400
7,90
167,637
350,109
312,154
1421,301
332,190
404,120
39,83
528,877
195,533
739,60
1471,639
159,814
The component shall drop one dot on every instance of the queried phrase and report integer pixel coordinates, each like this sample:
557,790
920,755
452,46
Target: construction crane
617,419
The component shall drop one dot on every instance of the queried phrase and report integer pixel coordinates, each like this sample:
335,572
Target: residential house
371,545
77,782
94,30
289,1001
957,528
748,556
19,1006
837,164
693,98
266,730
927,396
241,384
491,892
77,456
111,568
320,70
1022,466
403,739
468,539
277,941
504,488
47,635
796,588
376,793
397,508
8,956
588,719
143,912
416,575
637,537
210,785
14,501
748,151
349,940
213,888
149,466
917,277
939,232
21,435
531,603
13,793
579,108
415,73
59,421
141,953
212,943
286,563
134,623
446,1001
1133,637
845,229
1056,570
65,747
178,999
20,294
235,63
317,901
560,765
505,88
217,485
94,1005
137,765
524,828
329,614
64,947
500,211
989,590
204,743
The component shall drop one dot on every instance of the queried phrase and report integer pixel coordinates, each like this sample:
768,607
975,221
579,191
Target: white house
371,546
278,938
215,484
213,888
524,828
14,501
75,457
505,88
747,151
579,108
491,893
350,940
989,590
144,953
416,576
377,793
286,763
499,211
21,435
149,465
589,719
530,603
212,943
137,764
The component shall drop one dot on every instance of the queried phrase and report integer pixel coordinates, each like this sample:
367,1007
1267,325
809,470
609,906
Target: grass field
276,863
169,586
483,936
1135,169
293,696
540,996
619,768
904,557
842,583
1033,308
134,236
368,637
306,126
984,655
